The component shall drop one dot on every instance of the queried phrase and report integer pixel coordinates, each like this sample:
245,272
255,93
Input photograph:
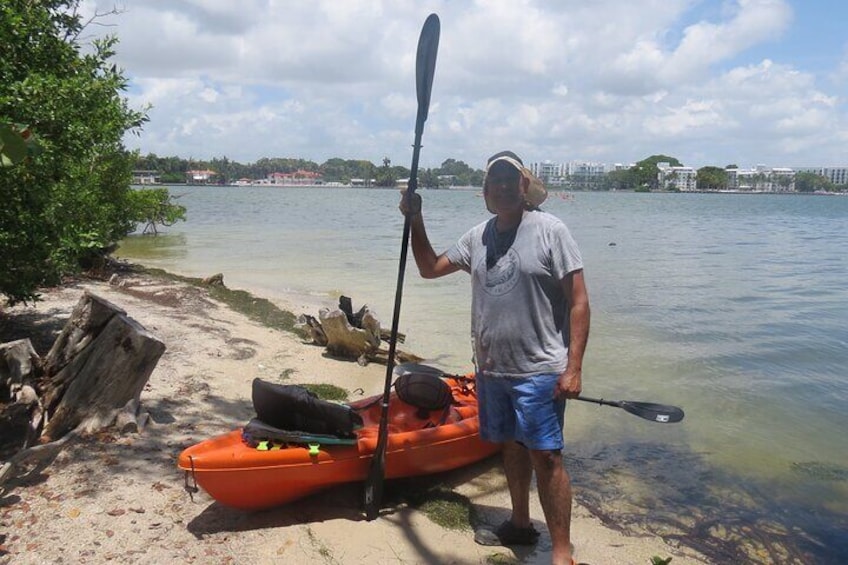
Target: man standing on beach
530,325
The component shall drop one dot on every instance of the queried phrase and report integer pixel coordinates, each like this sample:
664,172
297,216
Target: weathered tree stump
102,360
20,409
91,378
353,335
344,340
313,326
17,360
89,317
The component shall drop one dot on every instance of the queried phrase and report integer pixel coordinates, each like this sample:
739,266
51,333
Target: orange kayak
239,475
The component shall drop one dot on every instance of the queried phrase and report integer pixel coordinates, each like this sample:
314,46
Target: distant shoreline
550,189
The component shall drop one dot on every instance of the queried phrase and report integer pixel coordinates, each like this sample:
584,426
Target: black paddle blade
425,67
647,410
654,412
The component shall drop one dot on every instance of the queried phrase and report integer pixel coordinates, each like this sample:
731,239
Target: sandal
507,534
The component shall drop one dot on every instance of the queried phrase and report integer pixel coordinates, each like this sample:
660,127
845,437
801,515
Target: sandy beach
120,498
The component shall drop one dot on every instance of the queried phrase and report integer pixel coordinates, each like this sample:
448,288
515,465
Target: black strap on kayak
191,489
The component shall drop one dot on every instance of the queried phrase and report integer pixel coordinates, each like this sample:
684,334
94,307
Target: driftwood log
345,340
92,378
353,335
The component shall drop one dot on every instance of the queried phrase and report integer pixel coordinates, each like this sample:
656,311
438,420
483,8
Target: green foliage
172,170
68,202
624,179
657,560
443,506
712,178
326,391
646,170
152,206
386,174
428,179
462,173
17,142
258,309
812,182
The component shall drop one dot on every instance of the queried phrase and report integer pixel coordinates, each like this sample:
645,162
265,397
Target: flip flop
507,534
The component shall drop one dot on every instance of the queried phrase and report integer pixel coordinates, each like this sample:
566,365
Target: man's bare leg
519,471
554,487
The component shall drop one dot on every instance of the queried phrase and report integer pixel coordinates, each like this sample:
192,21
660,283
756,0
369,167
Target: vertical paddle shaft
428,44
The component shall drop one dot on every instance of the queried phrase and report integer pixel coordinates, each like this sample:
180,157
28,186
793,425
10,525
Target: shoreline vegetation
659,172
552,190
120,497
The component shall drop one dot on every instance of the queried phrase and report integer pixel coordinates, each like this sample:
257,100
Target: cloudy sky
613,81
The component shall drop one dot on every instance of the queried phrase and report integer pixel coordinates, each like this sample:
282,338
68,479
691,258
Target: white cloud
692,115
706,43
607,80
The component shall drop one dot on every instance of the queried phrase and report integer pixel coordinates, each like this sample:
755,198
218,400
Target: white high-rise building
836,175
548,172
761,179
585,174
677,178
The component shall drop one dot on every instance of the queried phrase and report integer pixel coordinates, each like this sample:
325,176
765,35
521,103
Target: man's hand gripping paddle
425,67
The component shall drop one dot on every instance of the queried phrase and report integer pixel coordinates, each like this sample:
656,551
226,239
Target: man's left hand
569,385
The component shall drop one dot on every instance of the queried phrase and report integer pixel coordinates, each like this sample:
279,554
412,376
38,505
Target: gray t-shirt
518,310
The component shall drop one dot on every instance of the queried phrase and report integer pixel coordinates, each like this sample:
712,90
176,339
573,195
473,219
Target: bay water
731,306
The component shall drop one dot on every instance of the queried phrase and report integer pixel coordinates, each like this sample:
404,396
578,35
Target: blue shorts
521,409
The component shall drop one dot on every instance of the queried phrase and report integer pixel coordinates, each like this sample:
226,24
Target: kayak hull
240,476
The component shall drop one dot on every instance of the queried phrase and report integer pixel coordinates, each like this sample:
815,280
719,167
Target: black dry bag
427,392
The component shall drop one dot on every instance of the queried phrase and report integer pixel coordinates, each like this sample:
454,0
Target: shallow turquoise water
731,306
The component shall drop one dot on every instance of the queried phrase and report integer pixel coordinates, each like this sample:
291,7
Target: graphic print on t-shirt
503,276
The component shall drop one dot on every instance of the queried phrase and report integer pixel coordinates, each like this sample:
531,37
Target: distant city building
574,173
836,175
297,178
782,179
199,177
446,180
584,174
552,174
761,179
677,178
145,177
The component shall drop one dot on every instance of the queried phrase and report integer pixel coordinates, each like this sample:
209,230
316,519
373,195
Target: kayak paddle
646,410
425,67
